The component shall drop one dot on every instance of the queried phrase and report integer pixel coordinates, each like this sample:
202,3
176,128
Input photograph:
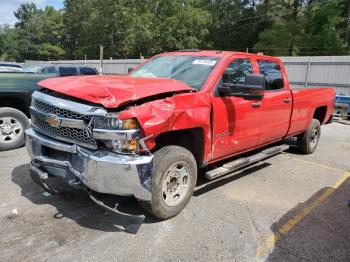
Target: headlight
112,122
118,135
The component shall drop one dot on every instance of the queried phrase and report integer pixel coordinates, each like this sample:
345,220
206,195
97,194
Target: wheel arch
320,113
16,103
192,139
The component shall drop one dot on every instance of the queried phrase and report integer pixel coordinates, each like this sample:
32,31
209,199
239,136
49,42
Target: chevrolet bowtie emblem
53,121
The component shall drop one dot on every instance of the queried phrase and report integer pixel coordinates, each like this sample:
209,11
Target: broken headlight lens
126,146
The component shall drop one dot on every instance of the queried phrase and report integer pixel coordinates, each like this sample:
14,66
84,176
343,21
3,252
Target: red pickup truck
148,134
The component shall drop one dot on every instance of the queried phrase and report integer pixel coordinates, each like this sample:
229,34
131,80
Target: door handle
256,104
287,100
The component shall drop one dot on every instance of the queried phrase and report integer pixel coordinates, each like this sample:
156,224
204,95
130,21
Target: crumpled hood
113,91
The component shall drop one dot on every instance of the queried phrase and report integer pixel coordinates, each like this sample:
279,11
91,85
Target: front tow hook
39,177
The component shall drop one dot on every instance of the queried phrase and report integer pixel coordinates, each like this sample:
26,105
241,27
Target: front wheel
174,179
308,141
12,126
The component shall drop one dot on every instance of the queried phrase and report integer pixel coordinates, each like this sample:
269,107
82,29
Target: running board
245,161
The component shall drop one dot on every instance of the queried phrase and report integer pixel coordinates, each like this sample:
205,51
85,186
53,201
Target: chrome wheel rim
10,130
176,184
313,137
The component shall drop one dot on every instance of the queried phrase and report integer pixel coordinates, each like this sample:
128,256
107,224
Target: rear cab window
87,71
272,71
67,71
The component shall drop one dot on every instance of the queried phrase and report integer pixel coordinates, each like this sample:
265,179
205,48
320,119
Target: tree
321,32
24,13
303,28
48,28
236,24
37,35
158,26
128,28
346,22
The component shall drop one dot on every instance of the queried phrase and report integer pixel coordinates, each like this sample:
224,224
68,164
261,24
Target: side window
67,71
236,71
48,70
272,71
87,71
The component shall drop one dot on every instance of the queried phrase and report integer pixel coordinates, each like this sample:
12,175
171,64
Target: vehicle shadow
204,185
76,205
319,228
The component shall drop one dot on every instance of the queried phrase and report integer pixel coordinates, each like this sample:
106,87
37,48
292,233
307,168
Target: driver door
236,121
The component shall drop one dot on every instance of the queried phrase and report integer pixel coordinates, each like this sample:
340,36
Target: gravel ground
290,207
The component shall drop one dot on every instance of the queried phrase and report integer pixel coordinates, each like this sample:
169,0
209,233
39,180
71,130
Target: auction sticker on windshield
204,62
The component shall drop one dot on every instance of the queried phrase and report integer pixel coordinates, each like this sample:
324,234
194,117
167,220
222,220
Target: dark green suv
15,98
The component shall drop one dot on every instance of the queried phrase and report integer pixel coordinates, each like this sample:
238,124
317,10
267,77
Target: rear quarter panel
305,102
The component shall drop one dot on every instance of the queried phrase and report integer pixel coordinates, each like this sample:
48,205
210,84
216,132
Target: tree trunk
347,32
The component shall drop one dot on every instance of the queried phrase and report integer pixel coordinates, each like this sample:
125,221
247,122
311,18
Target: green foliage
305,29
38,35
130,28
321,30
156,26
24,13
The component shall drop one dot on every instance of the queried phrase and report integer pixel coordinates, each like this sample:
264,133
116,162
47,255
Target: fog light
126,146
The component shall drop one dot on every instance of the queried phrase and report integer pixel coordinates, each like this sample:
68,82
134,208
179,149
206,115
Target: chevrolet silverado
147,134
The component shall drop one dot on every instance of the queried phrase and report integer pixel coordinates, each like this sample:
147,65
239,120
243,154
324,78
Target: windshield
33,69
192,70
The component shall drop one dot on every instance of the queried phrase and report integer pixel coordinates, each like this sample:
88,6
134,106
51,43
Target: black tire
6,143
308,141
164,159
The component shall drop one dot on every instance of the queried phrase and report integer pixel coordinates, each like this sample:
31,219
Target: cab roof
218,53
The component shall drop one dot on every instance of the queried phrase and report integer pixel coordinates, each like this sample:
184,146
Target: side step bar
245,161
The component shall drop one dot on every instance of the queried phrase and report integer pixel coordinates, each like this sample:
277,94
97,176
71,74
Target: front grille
50,109
73,135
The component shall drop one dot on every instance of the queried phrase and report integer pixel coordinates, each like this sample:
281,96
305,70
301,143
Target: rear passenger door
276,107
67,71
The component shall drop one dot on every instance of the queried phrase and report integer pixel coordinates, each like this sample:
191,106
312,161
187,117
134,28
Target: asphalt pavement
290,207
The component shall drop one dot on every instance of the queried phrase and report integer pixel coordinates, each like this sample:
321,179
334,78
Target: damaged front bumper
98,170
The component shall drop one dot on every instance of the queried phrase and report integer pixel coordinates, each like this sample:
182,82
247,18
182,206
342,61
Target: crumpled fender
183,111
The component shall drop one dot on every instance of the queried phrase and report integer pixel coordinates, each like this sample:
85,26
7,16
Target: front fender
183,111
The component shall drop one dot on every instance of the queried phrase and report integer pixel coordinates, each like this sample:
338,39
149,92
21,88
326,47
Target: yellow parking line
317,164
268,244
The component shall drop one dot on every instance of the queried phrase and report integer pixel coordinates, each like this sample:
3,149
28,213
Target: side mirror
130,69
252,89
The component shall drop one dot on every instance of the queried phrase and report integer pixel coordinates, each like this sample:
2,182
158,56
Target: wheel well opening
15,103
320,113
191,139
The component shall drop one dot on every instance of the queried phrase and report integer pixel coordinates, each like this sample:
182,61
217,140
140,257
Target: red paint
236,126
113,91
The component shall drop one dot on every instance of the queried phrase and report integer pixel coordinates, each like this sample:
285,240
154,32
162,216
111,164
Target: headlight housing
112,122
120,136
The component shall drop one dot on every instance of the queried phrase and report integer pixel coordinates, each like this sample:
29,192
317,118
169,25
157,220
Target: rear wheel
12,125
174,179
308,141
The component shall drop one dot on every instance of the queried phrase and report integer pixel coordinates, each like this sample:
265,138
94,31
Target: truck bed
305,100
